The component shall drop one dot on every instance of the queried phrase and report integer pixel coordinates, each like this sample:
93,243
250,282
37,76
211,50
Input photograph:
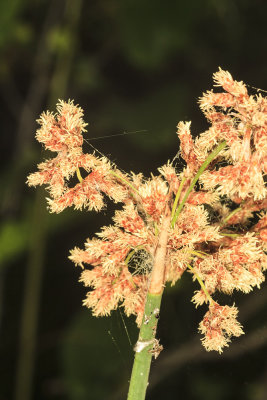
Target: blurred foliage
133,66
158,126
10,24
13,239
85,371
152,34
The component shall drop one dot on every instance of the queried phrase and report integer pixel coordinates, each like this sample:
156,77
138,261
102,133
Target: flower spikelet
200,297
187,145
110,279
64,129
63,133
109,291
237,266
134,300
154,195
241,120
169,173
261,229
129,219
243,179
224,79
218,326
191,229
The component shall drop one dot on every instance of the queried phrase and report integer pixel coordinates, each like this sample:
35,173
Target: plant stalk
147,344
144,348
208,160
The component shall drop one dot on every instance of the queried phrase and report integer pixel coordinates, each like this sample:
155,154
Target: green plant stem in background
144,348
31,302
34,270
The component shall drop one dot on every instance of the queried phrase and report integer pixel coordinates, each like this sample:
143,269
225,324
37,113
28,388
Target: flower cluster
63,133
241,120
237,265
219,325
223,252
111,255
233,261
111,279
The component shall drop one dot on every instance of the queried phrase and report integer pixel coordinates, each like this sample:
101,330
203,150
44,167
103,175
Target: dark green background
133,66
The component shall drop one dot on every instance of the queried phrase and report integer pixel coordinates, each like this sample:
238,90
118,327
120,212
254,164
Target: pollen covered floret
237,266
224,79
218,326
261,229
187,145
169,173
129,219
191,229
242,179
154,195
112,284
109,291
63,133
241,120
63,130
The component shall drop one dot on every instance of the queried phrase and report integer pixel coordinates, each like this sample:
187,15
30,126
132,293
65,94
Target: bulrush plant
164,226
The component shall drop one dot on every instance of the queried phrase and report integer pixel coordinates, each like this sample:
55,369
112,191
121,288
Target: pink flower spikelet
63,133
241,120
111,279
218,326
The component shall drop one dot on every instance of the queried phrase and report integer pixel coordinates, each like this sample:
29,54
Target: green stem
234,235
230,215
147,344
79,176
177,197
144,347
199,253
208,160
203,287
124,181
